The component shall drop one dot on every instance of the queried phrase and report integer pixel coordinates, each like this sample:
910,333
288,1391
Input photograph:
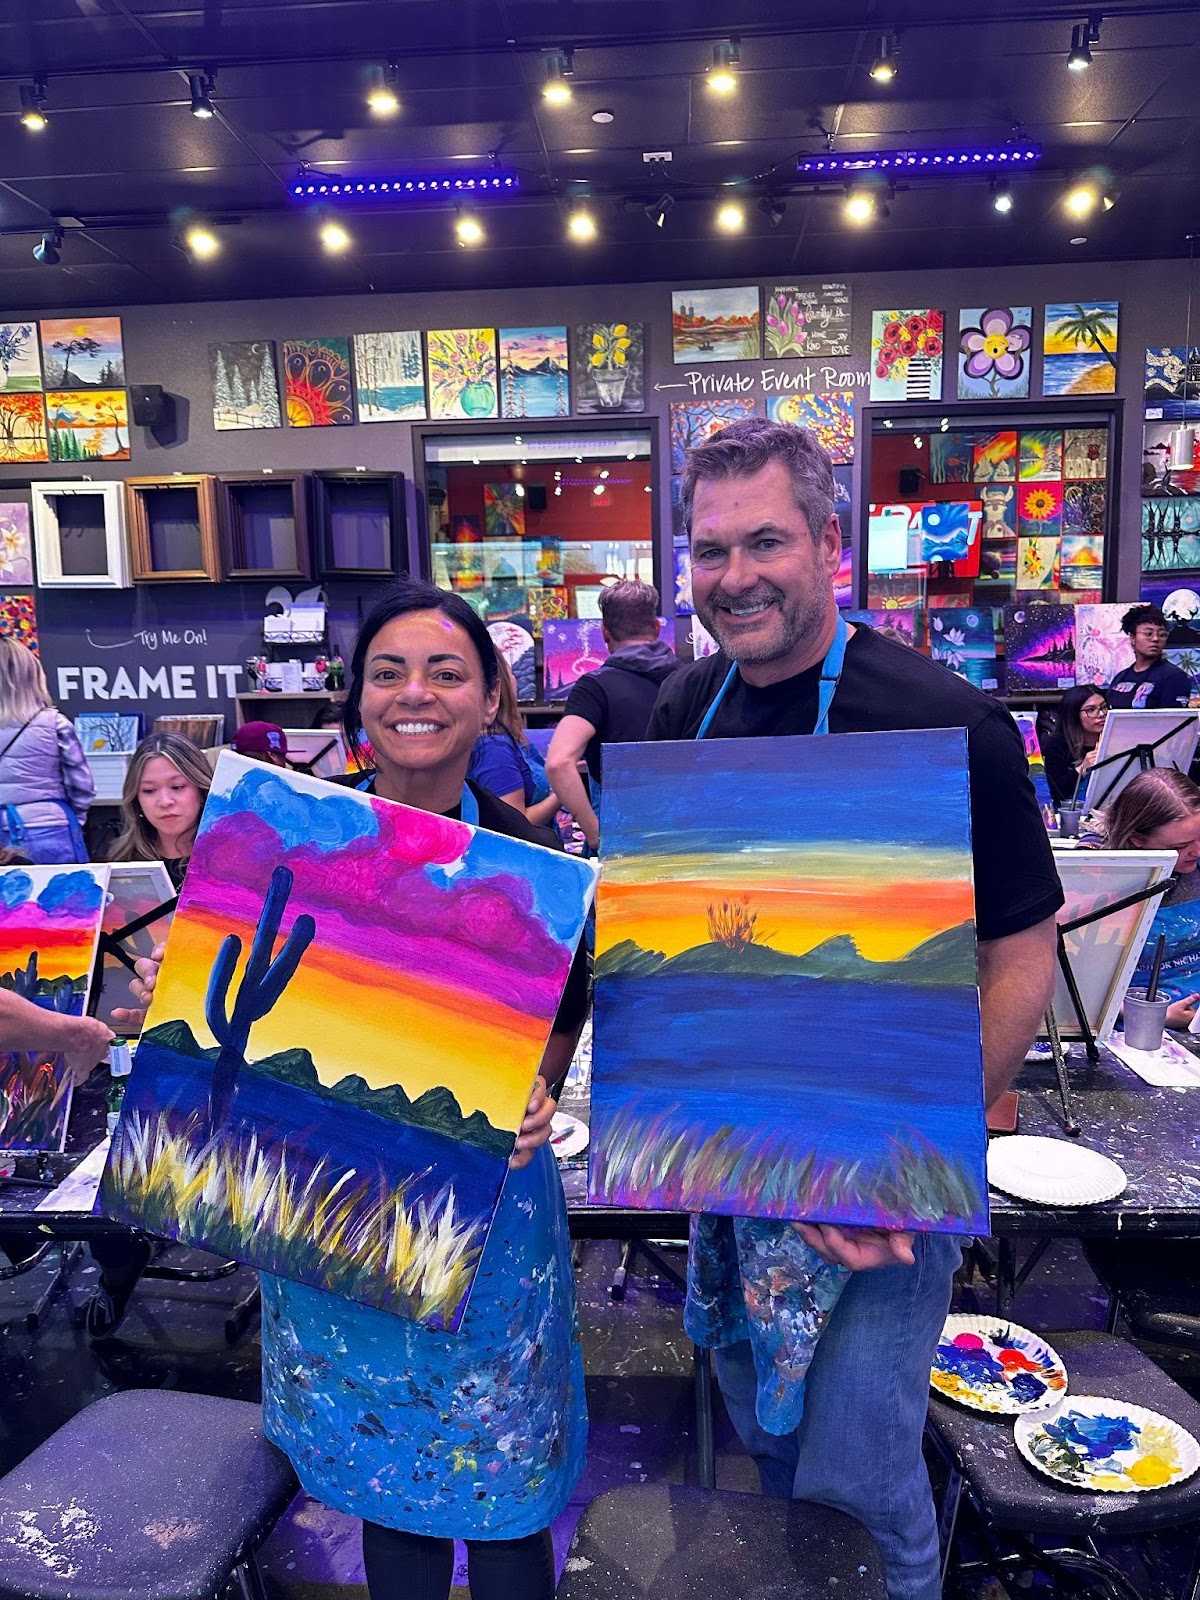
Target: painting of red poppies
906,355
317,383
993,352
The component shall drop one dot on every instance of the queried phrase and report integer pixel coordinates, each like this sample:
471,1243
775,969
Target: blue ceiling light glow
310,186
987,158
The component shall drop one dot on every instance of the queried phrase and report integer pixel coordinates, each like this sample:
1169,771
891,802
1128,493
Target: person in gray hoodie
613,704
46,784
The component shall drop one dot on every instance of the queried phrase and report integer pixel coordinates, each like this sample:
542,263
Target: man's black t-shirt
886,686
497,817
618,698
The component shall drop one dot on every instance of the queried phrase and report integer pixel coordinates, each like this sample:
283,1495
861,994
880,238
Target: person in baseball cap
262,741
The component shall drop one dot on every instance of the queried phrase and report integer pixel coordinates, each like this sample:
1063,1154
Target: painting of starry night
1039,645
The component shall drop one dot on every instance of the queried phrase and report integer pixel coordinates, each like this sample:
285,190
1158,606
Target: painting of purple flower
994,352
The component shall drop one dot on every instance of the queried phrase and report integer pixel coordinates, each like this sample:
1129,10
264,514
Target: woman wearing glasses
1071,749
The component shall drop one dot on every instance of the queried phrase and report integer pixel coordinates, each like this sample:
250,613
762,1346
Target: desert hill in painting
435,1111
947,958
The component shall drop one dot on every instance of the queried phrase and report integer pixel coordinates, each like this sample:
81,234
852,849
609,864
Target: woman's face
1182,836
1092,714
170,803
424,703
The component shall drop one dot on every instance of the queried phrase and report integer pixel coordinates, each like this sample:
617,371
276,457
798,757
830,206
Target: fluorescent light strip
920,161
326,188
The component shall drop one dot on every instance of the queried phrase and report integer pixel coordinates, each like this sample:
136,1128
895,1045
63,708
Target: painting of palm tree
1080,348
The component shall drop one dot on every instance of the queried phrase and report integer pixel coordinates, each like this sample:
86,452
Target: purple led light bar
311,186
925,163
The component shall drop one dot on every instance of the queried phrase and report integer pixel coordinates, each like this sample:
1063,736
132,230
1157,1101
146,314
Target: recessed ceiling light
604,115
1081,239
721,78
731,217
559,67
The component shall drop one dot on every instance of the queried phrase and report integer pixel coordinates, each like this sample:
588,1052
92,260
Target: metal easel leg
1060,1072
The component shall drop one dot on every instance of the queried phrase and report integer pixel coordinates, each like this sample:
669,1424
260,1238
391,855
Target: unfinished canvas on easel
786,1015
1168,738
354,1004
49,926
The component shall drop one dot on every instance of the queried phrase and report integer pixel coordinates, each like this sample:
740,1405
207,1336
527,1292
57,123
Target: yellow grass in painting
419,1260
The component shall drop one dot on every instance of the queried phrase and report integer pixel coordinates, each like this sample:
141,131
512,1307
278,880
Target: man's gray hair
629,609
746,447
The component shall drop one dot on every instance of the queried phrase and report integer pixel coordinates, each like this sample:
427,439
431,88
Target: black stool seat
1011,1494
702,1544
149,1494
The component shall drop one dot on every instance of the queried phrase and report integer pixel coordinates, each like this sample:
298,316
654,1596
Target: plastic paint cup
1068,822
1144,1020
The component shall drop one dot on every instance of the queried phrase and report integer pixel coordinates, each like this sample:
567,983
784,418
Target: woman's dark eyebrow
399,660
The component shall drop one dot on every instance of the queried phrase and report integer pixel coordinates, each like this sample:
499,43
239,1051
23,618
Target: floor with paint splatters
639,1385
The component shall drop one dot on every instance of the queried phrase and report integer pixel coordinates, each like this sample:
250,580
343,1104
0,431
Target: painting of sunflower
1039,510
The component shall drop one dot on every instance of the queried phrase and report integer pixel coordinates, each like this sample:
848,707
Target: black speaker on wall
910,480
148,404
536,495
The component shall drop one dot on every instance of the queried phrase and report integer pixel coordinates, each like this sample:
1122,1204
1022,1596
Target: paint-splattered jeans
859,1445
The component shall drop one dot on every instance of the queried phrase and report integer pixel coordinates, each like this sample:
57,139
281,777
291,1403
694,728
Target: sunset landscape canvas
49,927
338,1106
786,1012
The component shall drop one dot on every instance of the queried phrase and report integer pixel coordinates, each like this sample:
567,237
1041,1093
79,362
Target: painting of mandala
694,421
829,417
906,355
318,388
993,360
462,373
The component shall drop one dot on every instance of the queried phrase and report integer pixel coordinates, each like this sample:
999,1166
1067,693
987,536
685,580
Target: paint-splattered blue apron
475,1435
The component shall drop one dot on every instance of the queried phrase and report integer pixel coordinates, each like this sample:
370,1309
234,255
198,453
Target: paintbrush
1152,988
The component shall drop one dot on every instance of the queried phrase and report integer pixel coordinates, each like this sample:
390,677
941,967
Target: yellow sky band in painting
785,868
354,1017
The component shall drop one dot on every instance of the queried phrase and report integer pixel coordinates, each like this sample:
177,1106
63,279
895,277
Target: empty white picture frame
79,535
1104,954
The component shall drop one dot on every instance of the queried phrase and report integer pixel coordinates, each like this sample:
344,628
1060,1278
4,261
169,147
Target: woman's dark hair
406,598
1069,708
1138,616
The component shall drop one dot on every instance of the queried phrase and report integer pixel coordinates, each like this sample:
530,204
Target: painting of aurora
787,1012
354,1003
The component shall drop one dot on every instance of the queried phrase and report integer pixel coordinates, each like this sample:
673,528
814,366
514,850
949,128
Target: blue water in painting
534,394
1062,373
399,397
845,1063
318,1129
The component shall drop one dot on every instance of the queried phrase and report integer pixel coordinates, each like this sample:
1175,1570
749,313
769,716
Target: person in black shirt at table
765,546
1070,750
612,705
1151,683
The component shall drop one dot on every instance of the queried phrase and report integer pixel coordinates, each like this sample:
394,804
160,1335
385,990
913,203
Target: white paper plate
993,1365
568,1136
1107,1446
1054,1172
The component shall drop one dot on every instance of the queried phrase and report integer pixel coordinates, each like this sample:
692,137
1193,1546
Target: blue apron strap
470,806
831,672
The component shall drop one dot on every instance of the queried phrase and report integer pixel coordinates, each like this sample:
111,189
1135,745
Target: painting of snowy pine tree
245,386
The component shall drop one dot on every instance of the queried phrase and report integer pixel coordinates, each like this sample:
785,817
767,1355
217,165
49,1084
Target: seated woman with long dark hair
1071,749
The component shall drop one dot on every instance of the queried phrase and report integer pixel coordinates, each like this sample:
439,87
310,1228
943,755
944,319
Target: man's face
1150,639
761,585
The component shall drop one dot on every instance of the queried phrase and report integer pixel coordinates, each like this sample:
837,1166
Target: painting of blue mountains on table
787,1005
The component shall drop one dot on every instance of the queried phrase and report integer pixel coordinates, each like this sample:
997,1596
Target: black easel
310,766
111,944
1091,1048
1143,754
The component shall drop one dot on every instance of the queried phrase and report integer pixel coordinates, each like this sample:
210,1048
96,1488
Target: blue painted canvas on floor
787,1011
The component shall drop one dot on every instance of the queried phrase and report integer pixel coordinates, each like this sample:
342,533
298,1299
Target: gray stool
1013,1504
673,1543
149,1493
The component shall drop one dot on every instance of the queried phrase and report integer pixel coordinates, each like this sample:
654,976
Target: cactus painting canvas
345,1032
49,928
786,1016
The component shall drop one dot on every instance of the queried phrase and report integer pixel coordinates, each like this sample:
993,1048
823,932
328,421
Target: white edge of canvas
102,874
1125,730
1131,870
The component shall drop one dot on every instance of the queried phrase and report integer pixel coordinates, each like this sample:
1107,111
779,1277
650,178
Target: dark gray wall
169,345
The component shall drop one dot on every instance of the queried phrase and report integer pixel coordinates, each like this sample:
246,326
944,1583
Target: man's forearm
1016,982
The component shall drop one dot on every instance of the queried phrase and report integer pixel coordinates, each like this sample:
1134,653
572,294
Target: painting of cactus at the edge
350,1016
49,927
755,892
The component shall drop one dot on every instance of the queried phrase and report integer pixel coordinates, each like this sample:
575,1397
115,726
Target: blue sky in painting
906,788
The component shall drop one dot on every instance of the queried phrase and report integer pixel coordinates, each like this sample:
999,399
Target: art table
1152,1134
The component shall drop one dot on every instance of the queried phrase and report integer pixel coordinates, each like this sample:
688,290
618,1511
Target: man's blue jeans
858,1446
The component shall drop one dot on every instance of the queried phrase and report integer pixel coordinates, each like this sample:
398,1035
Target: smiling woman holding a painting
355,1093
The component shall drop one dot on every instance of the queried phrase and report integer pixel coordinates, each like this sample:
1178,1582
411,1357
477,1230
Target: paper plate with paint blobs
1107,1446
993,1365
